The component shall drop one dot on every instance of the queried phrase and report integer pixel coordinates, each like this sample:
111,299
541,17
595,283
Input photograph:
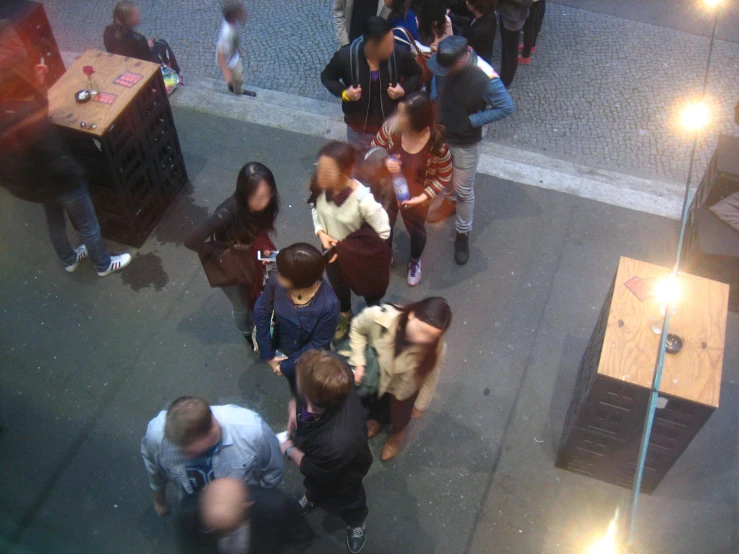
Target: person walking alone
418,152
245,218
470,95
512,15
35,164
341,205
410,347
531,31
228,50
370,76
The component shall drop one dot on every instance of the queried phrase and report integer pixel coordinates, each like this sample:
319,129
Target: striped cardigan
438,166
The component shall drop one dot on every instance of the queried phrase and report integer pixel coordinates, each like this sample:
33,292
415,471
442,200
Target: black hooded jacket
369,112
337,455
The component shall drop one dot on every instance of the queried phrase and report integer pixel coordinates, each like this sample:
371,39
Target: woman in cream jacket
410,351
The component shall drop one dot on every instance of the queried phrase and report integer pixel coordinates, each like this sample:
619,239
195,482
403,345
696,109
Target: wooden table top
630,347
113,98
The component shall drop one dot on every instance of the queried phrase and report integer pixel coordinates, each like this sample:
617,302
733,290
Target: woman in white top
340,206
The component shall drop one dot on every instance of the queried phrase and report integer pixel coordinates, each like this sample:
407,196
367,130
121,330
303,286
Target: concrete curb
324,119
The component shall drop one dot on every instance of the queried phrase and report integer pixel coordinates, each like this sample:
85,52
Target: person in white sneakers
34,163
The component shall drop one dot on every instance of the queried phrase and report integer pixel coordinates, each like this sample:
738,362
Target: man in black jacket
370,75
35,164
329,442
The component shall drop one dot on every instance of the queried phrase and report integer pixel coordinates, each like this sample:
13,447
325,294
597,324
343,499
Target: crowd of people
418,92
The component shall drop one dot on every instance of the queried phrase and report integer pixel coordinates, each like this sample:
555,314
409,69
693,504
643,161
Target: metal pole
686,199
657,380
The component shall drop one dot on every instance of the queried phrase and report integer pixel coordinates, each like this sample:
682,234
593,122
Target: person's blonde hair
121,16
188,419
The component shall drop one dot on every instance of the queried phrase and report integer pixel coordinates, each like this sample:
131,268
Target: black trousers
542,11
342,290
531,29
166,55
388,410
352,504
509,47
414,220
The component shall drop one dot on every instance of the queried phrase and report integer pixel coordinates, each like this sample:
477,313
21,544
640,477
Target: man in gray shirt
191,444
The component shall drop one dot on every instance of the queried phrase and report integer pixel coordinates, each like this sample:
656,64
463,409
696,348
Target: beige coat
343,18
377,326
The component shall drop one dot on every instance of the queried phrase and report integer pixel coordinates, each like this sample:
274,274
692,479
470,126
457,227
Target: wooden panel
65,111
630,347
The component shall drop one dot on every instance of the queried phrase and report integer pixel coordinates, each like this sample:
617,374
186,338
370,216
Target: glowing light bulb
667,291
607,544
695,116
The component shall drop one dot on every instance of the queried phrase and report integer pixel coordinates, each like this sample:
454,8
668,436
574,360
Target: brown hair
325,380
121,16
188,419
421,115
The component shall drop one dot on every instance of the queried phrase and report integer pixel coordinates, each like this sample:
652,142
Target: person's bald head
223,504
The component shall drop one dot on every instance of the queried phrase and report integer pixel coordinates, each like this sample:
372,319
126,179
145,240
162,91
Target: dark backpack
392,64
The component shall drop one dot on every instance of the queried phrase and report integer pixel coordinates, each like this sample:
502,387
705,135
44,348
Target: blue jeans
465,159
358,140
78,205
239,298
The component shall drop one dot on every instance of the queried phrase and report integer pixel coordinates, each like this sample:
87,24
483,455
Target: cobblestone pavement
602,90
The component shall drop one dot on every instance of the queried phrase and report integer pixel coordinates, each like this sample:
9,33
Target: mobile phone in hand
271,258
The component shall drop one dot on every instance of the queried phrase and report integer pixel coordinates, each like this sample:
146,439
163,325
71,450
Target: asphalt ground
86,362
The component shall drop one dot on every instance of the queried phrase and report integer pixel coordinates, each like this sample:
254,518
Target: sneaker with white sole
355,538
81,252
414,272
116,263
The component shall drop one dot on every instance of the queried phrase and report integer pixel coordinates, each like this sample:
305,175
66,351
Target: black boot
462,248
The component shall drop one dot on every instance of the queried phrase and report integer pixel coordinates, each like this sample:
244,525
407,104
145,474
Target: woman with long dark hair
417,151
341,205
410,347
121,37
247,217
433,23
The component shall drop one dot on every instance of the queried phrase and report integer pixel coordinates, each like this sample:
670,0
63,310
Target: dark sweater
337,456
131,44
481,35
369,112
461,95
296,329
35,164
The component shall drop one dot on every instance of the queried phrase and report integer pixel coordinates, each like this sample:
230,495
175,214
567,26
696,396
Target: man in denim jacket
192,443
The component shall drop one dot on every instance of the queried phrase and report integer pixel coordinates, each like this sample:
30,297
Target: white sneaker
414,273
81,252
116,263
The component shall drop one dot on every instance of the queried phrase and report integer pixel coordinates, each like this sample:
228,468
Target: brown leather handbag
227,263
